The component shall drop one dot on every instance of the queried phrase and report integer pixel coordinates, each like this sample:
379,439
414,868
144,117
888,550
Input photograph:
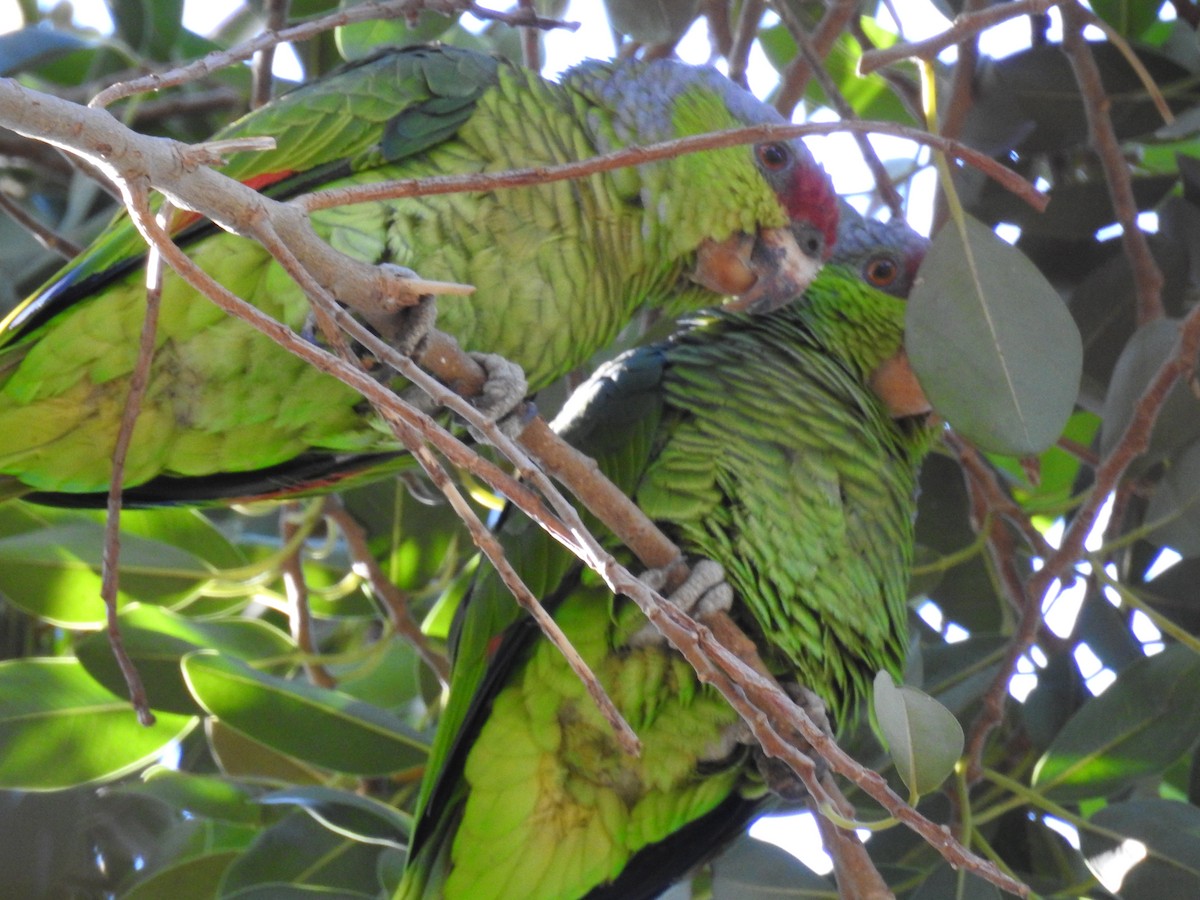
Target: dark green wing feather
376,110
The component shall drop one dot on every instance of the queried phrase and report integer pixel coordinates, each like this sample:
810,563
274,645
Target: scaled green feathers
754,442
559,268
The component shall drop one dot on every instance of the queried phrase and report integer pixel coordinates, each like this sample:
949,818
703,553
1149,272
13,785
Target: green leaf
1178,422
1139,726
1176,504
207,796
240,756
923,737
1130,18
360,39
54,573
994,347
1170,834
324,727
348,814
756,870
187,529
944,883
651,21
30,47
298,852
194,878
59,728
157,639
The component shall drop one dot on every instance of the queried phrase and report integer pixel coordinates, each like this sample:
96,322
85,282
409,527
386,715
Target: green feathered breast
753,442
559,268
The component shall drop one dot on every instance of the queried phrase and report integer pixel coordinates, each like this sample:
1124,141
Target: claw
503,395
703,593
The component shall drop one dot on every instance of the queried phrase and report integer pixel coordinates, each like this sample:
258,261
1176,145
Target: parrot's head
886,255
759,219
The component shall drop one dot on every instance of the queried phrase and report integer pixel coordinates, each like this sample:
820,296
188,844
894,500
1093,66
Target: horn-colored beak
761,273
895,383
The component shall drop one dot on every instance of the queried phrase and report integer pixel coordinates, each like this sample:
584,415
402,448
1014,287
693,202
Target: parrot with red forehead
558,269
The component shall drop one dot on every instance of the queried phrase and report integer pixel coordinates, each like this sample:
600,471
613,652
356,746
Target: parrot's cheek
761,273
895,383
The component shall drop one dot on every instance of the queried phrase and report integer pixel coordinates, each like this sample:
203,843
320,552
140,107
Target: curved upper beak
762,272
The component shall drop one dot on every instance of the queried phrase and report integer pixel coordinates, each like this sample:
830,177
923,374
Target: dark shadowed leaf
1178,423
992,343
1168,834
348,814
948,884
1144,722
756,870
242,757
300,852
29,47
1176,504
923,737
193,878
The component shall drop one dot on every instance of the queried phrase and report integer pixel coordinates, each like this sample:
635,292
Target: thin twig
634,156
361,12
883,181
135,196
796,75
743,39
531,51
393,599
299,613
264,59
44,235
963,27
1147,277
962,96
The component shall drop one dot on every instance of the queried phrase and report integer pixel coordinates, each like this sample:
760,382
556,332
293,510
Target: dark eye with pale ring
774,156
881,271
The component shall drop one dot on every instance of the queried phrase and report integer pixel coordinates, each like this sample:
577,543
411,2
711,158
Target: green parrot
559,268
766,444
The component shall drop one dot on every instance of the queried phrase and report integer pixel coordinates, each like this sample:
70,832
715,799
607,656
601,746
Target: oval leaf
651,21
1178,422
1169,834
157,639
201,796
923,737
324,727
1176,505
350,815
1142,724
54,573
59,728
991,342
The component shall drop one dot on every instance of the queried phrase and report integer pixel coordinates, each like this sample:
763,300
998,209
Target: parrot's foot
778,775
503,395
405,329
703,593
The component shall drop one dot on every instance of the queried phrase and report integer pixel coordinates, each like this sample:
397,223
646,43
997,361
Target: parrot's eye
774,156
881,271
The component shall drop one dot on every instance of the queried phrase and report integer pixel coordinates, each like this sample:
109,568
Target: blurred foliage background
1056,601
